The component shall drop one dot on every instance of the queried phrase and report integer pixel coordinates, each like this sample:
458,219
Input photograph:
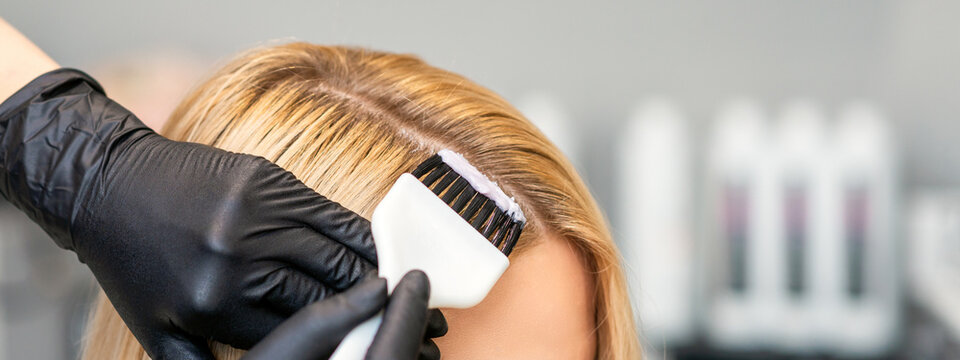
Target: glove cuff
56,134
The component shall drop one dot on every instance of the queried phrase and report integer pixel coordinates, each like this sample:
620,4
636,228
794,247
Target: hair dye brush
448,220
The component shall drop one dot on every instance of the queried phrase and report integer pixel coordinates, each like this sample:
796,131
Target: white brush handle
415,230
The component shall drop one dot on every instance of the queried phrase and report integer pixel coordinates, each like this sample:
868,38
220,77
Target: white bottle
656,221
800,148
871,276
738,193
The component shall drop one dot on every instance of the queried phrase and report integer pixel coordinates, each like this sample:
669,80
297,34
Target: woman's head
349,121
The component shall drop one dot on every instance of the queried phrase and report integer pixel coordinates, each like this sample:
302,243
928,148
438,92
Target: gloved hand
316,331
188,242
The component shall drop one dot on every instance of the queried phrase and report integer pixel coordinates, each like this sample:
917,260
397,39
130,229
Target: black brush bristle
427,166
454,191
435,174
514,236
475,204
461,203
496,220
445,181
483,214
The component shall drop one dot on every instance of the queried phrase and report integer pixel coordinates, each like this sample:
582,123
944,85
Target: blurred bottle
871,283
738,197
799,145
656,220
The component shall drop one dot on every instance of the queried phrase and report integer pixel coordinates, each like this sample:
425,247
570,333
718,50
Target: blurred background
782,176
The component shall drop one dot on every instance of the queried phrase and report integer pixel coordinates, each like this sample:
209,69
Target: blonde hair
348,121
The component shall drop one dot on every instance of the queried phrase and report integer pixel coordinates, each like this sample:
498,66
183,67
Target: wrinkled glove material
55,137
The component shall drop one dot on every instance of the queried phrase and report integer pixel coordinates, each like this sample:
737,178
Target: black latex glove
316,331
188,242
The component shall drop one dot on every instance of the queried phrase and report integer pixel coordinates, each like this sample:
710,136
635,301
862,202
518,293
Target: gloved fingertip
414,282
429,351
436,324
